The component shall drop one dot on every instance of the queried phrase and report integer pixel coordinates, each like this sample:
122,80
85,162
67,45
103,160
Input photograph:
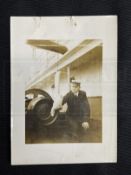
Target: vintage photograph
63,89
63,101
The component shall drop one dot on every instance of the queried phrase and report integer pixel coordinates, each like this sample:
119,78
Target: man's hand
56,105
85,125
52,112
64,108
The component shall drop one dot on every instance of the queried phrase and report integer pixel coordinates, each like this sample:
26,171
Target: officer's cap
76,82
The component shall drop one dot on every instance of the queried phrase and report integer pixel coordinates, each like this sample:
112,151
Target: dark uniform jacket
78,106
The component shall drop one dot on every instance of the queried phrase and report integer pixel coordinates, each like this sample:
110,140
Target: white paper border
96,27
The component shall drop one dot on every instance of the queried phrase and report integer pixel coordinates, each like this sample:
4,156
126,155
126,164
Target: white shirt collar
77,93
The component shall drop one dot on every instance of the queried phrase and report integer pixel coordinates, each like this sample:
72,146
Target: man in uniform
78,110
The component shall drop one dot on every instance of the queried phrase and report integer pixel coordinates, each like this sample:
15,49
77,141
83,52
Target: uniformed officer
78,110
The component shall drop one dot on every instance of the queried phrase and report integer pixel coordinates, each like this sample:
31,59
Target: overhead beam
48,45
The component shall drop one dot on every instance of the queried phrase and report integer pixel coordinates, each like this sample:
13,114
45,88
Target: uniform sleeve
86,108
65,100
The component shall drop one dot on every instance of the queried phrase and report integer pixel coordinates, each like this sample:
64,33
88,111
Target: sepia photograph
63,89
63,101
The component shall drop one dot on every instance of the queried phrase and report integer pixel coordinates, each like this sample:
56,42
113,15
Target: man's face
75,87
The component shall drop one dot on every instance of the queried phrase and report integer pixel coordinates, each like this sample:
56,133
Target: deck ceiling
88,49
